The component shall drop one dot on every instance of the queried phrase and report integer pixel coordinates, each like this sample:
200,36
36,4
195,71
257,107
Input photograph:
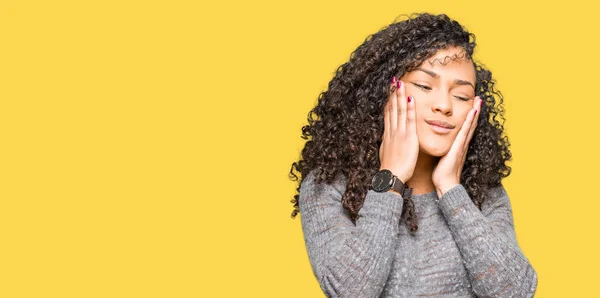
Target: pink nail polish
409,98
399,83
394,80
475,112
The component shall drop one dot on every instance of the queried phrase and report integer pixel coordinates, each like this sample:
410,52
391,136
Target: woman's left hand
447,172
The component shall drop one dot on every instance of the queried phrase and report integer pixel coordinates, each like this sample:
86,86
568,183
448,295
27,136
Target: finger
464,129
387,111
411,116
394,114
401,113
386,121
477,106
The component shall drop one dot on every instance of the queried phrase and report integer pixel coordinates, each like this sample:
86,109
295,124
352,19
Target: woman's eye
429,89
422,87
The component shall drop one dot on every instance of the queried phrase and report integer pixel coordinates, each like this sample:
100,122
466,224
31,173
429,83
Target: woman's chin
437,150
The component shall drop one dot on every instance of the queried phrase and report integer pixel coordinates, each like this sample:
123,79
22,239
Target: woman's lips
440,126
439,129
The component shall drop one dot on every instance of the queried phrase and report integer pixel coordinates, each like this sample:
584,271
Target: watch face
382,181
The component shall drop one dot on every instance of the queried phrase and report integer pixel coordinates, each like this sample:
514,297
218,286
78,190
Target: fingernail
399,84
394,80
409,98
475,112
480,103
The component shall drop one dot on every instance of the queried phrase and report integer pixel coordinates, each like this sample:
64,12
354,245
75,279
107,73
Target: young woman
401,192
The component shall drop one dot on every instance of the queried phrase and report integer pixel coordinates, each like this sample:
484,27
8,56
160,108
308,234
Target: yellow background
145,145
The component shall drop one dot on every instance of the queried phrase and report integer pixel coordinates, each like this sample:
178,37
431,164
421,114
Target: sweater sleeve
348,259
488,244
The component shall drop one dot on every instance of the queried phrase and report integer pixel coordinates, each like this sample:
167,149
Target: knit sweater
458,250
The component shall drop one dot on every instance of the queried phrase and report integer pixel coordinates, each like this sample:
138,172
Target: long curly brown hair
346,125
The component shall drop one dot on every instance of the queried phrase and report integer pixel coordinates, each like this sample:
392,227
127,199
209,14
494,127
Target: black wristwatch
384,180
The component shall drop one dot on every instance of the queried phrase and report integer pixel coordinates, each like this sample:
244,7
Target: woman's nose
442,103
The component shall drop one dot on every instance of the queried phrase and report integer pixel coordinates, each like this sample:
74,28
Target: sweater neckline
428,195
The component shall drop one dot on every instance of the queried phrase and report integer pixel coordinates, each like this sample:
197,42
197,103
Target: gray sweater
458,250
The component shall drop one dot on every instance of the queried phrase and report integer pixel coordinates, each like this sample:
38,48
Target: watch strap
401,188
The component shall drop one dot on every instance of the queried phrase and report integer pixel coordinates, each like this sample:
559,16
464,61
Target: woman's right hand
400,145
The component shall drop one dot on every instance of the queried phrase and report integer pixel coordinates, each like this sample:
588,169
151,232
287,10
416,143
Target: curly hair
346,125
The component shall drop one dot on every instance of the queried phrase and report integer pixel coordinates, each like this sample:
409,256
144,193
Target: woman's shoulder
310,184
497,191
497,196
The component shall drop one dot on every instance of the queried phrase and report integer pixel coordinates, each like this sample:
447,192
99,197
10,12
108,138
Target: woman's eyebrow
435,76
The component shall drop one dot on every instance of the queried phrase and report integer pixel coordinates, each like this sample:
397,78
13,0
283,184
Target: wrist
443,188
402,176
387,181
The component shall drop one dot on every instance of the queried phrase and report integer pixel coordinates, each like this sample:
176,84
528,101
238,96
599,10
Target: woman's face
441,93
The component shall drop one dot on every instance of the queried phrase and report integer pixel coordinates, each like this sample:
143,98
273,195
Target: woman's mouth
440,127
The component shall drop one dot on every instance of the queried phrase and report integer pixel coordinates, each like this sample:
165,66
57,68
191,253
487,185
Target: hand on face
400,146
447,172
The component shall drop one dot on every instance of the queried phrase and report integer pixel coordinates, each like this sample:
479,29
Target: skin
411,149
